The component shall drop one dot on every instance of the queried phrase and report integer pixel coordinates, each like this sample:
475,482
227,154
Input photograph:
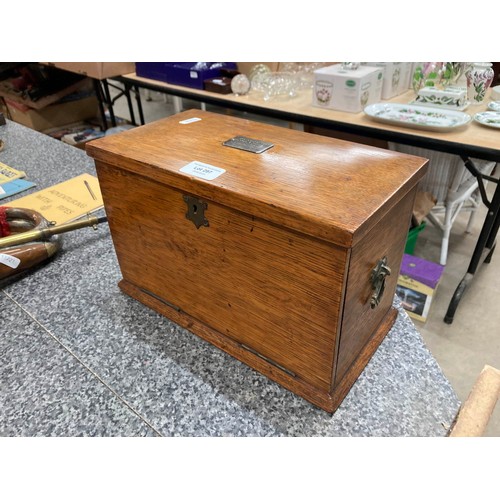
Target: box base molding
328,401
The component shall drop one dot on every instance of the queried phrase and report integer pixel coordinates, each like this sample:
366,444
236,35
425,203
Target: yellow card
66,201
8,174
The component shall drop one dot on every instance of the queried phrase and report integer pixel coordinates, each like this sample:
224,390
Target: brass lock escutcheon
196,211
379,273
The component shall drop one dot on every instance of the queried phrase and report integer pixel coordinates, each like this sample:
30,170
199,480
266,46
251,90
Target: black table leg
100,100
482,253
139,104
126,91
109,102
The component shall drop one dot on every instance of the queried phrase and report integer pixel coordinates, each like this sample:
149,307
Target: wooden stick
476,411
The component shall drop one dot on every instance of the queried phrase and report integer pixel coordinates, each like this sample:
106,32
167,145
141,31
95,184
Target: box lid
421,270
328,188
340,70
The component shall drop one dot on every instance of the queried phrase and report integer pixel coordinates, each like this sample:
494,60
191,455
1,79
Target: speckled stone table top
80,358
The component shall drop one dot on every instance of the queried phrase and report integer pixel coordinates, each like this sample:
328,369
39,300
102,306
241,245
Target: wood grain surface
387,239
273,291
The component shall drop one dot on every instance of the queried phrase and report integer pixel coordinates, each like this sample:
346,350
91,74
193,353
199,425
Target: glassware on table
427,74
240,84
458,70
278,84
438,74
304,72
258,71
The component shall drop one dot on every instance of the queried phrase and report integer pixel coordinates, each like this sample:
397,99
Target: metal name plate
247,144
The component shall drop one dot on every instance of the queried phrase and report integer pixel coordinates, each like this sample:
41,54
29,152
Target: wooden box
270,256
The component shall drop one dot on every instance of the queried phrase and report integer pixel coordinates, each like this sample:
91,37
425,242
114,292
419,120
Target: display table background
80,358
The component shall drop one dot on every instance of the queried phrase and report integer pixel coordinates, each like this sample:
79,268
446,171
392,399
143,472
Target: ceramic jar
479,77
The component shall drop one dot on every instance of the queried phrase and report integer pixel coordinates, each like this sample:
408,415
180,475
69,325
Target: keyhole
195,209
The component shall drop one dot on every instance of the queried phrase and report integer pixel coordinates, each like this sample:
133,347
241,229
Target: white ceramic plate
488,118
419,117
494,106
495,92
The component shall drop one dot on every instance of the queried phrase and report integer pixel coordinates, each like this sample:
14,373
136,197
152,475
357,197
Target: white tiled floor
472,340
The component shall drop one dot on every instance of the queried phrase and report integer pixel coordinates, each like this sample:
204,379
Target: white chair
453,186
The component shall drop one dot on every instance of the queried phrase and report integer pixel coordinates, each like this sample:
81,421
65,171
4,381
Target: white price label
9,260
190,120
202,170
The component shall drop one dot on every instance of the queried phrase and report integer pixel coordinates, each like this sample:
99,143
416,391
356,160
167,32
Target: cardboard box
99,70
396,77
336,87
76,84
417,284
246,67
54,115
3,108
414,66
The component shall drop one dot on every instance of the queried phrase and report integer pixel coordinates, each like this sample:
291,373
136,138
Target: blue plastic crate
185,74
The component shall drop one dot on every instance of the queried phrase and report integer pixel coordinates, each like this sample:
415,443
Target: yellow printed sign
66,201
8,174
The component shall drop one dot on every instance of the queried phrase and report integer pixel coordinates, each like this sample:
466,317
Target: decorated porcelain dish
419,117
458,107
488,118
494,106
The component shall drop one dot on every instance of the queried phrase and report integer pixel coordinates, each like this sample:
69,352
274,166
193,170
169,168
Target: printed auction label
9,260
202,170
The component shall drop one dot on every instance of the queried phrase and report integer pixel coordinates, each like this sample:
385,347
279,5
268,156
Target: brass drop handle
379,273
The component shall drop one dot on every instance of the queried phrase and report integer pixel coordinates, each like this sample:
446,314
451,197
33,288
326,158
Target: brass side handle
378,275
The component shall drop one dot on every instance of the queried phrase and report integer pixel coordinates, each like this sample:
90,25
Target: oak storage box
274,257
